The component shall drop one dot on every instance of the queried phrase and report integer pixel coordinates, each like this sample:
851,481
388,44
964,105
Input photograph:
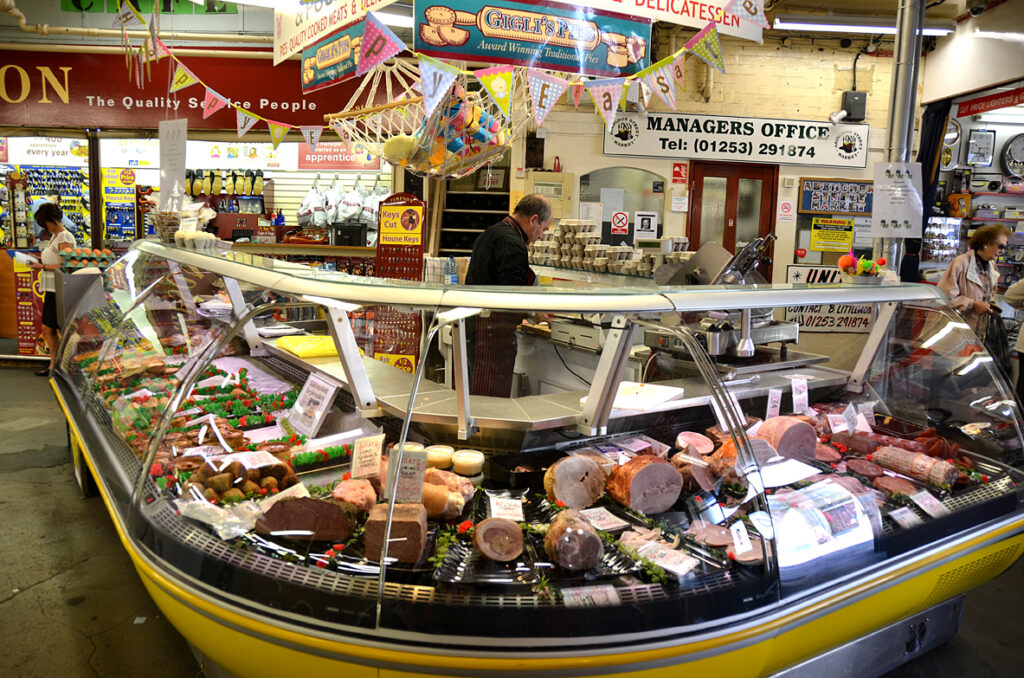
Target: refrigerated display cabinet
760,563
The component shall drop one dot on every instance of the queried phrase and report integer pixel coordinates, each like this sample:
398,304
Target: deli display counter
300,491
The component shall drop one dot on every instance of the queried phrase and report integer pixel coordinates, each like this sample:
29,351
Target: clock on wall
1013,156
950,145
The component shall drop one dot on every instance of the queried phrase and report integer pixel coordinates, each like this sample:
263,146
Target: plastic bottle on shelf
451,276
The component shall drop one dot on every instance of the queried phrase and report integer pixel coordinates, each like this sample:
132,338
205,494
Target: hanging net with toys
466,131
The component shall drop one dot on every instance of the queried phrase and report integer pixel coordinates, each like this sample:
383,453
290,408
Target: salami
827,454
863,467
646,484
893,486
498,539
790,436
937,472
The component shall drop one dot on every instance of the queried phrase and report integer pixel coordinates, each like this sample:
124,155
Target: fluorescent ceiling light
396,20
390,18
267,4
851,24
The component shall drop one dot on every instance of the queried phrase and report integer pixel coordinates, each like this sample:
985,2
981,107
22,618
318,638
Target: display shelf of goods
501,545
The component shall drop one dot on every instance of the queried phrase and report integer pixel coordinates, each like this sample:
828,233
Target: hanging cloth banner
577,93
645,93
126,16
545,90
157,49
333,59
498,83
693,14
244,121
212,103
555,37
277,131
705,45
749,10
311,133
606,94
378,45
342,132
182,78
435,78
660,82
679,71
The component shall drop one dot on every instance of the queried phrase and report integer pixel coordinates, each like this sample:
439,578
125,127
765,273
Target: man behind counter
500,257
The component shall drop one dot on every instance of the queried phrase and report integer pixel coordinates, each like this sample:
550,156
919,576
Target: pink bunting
749,10
212,103
660,82
606,94
277,131
378,45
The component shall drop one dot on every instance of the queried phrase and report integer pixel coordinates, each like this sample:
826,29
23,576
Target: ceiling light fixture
391,17
851,24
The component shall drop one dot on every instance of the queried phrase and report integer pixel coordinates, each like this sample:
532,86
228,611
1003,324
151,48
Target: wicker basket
166,224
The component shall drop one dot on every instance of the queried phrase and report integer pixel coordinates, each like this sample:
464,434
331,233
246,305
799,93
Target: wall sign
331,60
786,212
298,23
720,137
835,196
831,235
333,155
848,318
899,210
680,172
574,39
694,13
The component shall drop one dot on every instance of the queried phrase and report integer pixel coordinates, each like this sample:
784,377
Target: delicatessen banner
719,137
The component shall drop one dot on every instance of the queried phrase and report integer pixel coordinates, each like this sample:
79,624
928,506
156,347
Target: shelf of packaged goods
315,250
449,209
477,192
992,219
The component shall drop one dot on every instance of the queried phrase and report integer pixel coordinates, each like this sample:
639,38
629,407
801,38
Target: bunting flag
212,103
378,45
659,80
749,10
182,78
311,133
244,121
545,90
277,131
645,93
436,77
340,129
679,71
137,62
706,46
577,93
498,83
126,16
606,94
159,49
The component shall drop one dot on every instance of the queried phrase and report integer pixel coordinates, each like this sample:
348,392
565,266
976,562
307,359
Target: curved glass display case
315,470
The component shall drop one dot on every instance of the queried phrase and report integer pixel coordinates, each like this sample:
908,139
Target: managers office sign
720,137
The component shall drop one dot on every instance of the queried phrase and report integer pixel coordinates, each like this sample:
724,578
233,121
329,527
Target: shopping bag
998,344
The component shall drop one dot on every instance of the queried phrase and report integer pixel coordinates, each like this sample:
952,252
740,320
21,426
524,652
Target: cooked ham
694,443
572,542
645,484
790,436
577,481
357,492
453,481
498,539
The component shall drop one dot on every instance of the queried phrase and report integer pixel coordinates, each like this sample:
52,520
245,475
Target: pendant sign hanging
311,133
182,78
378,45
277,131
435,78
127,16
212,103
749,10
244,121
706,46
660,82
678,68
545,90
577,93
498,83
606,94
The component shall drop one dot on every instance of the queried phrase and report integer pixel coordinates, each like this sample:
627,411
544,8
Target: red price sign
620,223
680,172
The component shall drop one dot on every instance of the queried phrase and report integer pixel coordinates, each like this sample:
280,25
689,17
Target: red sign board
40,89
990,102
680,172
3,149
620,223
333,155
29,309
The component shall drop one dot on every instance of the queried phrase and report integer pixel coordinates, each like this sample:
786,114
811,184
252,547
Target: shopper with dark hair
970,279
50,218
500,257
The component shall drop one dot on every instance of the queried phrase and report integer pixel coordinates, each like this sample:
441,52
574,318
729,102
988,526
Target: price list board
396,334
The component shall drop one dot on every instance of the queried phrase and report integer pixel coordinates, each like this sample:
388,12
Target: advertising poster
334,155
331,60
831,235
835,196
402,361
29,311
899,208
556,37
401,224
847,318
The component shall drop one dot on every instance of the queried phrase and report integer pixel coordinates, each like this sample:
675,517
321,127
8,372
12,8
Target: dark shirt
500,256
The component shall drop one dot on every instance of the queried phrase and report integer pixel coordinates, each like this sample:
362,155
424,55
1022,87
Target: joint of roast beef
305,518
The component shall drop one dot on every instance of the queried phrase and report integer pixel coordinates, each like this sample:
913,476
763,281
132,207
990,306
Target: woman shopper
49,217
970,280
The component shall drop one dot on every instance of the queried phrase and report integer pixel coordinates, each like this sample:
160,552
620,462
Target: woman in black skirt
49,217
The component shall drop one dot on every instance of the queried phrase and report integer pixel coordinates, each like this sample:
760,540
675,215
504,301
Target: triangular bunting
435,77
606,94
678,69
706,46
311,133
339,129
378,45
660,82
645,93
126,16
244,121
137,59
212,103
577,93
498,83
277,131
182,78
159,49
545,90
749,10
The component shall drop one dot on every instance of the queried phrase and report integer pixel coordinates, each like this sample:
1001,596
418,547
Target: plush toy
849,263
406,150
466,122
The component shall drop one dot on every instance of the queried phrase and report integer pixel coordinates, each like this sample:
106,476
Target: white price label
590,596
204,451
862,424
905,517
800,404
314,400
867,409
929,504
850,417
507,507
409,485
740,538
603,519
837,423
140,393
774,403
366,457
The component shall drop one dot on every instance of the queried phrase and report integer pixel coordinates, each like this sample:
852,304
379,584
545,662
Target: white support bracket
610,368
240,309
879,330
460,380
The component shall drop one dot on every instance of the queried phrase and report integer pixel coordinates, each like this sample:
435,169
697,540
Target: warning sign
680,172
620,223
831,235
